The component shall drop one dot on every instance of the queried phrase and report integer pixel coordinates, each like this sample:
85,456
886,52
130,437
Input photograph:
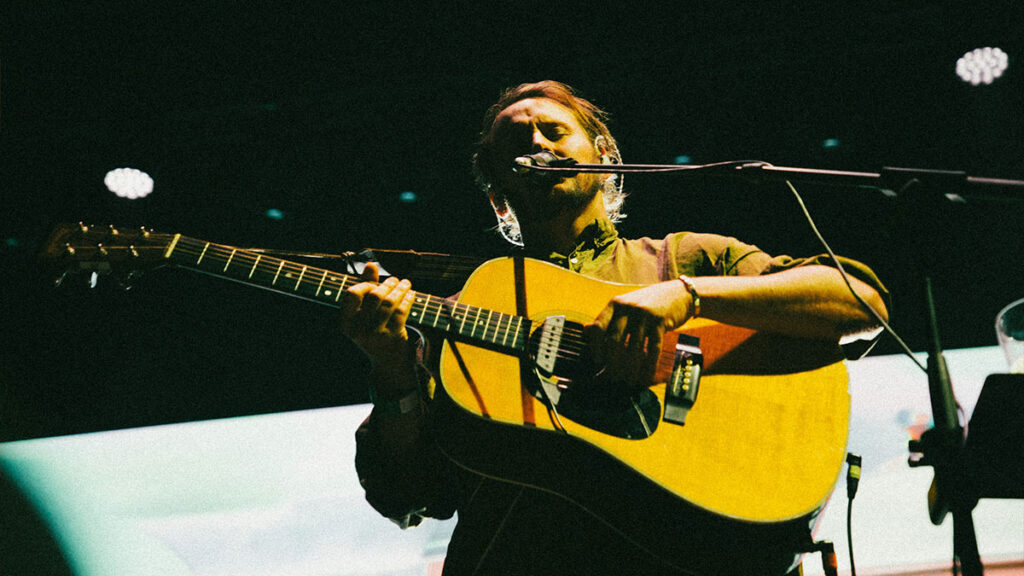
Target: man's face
533,125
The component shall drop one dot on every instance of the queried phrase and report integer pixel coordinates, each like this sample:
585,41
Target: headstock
102,250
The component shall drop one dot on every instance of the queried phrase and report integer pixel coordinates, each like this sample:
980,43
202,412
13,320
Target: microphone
525,164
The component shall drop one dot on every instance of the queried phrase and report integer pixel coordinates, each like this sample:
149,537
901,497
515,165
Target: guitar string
572,345
573,338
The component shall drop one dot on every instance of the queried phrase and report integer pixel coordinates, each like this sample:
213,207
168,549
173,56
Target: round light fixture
982,65
129,183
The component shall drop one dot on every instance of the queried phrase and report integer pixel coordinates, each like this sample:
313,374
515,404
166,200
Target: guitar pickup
549,343
681,390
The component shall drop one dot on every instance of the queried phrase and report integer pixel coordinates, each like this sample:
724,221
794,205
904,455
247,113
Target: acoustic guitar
724,462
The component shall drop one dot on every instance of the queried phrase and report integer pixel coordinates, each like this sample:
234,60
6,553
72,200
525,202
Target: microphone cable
846,278
852,479
547,163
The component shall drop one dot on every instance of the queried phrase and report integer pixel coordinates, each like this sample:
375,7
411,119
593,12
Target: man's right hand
373,315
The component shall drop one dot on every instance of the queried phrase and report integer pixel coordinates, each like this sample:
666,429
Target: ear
601,145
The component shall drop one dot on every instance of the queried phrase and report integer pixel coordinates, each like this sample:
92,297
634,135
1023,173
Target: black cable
730,166
839,266
852,480
849,535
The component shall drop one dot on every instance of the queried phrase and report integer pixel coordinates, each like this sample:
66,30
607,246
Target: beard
543,201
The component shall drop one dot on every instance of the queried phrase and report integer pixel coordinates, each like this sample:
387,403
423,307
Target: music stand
994,450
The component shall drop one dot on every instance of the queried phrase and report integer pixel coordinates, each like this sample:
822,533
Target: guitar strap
522,310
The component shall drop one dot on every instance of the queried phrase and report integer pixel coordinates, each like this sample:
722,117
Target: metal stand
918,191
941,447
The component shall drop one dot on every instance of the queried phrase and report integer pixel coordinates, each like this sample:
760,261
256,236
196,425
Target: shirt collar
592,241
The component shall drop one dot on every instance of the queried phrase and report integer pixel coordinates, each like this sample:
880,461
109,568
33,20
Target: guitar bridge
681,390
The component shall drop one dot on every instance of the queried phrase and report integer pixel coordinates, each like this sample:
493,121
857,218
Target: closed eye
554,131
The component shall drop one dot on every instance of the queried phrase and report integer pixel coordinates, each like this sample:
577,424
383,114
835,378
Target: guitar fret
341,288
318,288
255,264
504,335
278,273
518,326
488,324
299,281
449,310
172,245
474,323
462,324
437,314
201,254
417,307
228,263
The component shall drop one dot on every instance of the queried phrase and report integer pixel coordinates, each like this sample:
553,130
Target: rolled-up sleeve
713,255
404,483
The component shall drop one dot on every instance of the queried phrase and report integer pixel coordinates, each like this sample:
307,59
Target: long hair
590,117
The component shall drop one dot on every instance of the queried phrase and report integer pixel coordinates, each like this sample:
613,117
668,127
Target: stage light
683,159
982,65
830,143
129,183
275,214
408,197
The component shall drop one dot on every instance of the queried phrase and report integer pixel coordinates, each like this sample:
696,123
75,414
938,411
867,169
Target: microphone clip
529,164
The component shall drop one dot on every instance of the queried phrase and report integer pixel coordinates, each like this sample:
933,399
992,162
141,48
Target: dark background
327,112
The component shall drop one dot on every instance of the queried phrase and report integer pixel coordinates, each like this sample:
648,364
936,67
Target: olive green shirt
505,529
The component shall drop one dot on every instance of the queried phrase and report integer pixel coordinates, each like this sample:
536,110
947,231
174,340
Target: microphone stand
941,447
887,181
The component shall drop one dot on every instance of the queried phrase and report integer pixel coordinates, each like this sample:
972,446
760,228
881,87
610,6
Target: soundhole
630,416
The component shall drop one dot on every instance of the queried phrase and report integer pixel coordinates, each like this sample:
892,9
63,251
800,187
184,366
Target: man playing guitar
511,527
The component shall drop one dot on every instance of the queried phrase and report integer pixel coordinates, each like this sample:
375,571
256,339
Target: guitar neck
467,323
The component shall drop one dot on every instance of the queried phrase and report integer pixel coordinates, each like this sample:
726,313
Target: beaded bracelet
693,294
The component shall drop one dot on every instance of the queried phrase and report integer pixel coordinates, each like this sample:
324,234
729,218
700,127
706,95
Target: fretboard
464,322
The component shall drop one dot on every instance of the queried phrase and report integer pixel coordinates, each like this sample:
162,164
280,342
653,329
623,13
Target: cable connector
829,564
852,474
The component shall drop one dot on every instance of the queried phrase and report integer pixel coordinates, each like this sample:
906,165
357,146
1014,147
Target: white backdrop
278,494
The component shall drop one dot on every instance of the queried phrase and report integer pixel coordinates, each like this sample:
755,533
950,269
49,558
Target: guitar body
749,471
